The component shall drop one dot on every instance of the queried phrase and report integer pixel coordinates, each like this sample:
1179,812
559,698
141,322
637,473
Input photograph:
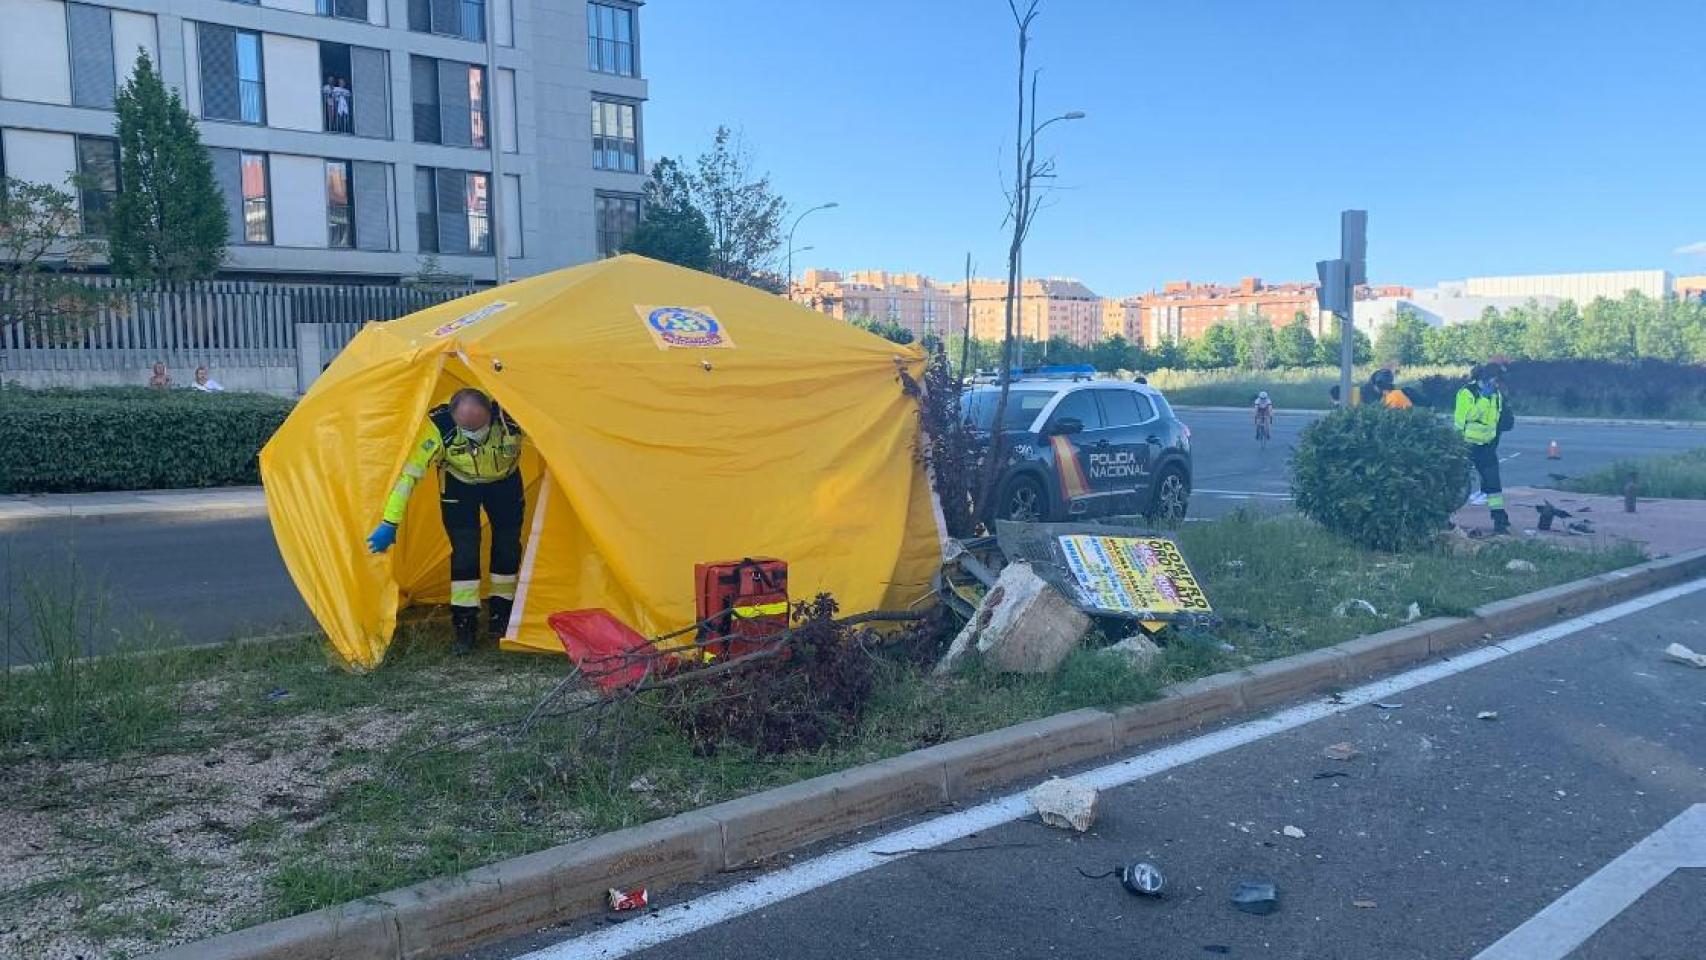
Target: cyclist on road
1264,417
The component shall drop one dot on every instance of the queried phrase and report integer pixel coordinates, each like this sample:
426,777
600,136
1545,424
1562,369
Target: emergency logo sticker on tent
469,319
684,327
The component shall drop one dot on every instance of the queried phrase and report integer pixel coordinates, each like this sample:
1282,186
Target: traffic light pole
1336,294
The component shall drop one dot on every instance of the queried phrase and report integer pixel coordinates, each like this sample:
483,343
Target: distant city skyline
1477,135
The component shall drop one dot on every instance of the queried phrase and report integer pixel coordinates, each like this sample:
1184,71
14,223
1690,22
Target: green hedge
74,441
1385,479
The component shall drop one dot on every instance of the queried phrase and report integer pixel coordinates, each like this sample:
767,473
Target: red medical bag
741,602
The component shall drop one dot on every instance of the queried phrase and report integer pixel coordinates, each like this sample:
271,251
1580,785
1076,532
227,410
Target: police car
1085,448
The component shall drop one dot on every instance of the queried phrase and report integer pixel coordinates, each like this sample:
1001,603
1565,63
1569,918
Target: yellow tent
675,418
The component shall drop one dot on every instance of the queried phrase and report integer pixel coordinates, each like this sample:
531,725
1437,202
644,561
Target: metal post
494,140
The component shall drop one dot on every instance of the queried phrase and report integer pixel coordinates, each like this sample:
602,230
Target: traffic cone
1552,451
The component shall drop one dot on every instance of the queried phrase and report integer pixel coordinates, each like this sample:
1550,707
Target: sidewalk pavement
1663,528
1522,418
219,503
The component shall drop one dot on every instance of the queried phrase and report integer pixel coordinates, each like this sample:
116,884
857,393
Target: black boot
1501,522
497,617
465,623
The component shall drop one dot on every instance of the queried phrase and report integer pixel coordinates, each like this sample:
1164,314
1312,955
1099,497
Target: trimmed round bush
1385,479
72,441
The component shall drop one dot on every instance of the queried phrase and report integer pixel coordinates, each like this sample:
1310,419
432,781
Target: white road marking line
1555,932
681,919
1242,493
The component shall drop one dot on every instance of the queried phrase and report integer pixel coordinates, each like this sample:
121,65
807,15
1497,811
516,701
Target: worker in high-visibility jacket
477,450
1481,416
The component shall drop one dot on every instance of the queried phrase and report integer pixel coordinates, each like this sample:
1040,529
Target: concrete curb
1560,421
439,917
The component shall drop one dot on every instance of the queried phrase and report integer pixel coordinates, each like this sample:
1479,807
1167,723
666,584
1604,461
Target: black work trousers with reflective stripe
504,504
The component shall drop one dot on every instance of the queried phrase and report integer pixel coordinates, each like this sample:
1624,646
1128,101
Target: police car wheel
1172,497
1022,501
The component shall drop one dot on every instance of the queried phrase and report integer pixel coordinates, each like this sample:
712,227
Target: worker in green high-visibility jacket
1481,416
477,450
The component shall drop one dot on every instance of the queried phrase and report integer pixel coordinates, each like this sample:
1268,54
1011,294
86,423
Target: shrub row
1644,388
72,441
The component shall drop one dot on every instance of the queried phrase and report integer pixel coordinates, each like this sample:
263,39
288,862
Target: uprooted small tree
1385,479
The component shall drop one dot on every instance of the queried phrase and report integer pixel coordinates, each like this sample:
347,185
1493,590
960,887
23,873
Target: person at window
328,103
477,450
341,104
161,379
205,383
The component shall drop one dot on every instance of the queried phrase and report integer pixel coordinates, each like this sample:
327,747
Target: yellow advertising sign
1142,577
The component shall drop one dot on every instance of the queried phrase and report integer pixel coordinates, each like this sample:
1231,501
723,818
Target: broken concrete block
1023,625
1141,651
1066,804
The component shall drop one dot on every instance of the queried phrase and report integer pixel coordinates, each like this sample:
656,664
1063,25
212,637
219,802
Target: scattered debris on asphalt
1487,715
1329,774
1139,879
1295,833
1388,706
1344,750
1521,566
1682,654
971,849
1363,903
1582,526
1216,948
1548,513
1260,899
1346,606
1066,804
634,899
1413,613
1336,699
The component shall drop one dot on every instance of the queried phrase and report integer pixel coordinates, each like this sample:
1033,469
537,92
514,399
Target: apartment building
1047,308
912,300
354,137
1182,310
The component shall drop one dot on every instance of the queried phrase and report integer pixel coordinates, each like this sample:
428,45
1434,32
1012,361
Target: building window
454,18
257,205
232,85
477,106
479,215
615,141
610,39
452,211
449,101
618,216
340,205
89,36
97,182
342,9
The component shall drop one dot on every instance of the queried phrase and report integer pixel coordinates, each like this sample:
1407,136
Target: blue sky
1483,136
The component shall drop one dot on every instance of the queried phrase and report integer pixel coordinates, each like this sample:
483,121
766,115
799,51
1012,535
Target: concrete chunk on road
1066,804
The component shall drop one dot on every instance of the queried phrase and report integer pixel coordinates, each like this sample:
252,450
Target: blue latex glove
382,537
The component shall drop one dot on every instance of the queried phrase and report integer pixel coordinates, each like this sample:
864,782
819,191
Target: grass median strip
194,792
1678,476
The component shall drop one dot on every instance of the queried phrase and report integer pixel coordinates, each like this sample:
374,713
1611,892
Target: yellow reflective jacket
1477,416
441,444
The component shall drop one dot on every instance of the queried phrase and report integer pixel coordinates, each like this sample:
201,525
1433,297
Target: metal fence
220,323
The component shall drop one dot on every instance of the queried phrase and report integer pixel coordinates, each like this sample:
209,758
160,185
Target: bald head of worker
472,411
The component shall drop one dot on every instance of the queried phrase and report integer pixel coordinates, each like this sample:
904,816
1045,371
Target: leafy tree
1446,345
1294,344
1168,355
41,228
1255,349
169,220
1064,351
1362,349
1605,332
1659,333
1401,341
742,210
1547,333
887,329
1116,353
1216,348
673,229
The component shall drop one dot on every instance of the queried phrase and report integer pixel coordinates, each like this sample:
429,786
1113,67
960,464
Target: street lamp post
823,206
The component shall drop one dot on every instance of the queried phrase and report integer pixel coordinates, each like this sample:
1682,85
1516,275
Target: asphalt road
212,580
1444,835
202,580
